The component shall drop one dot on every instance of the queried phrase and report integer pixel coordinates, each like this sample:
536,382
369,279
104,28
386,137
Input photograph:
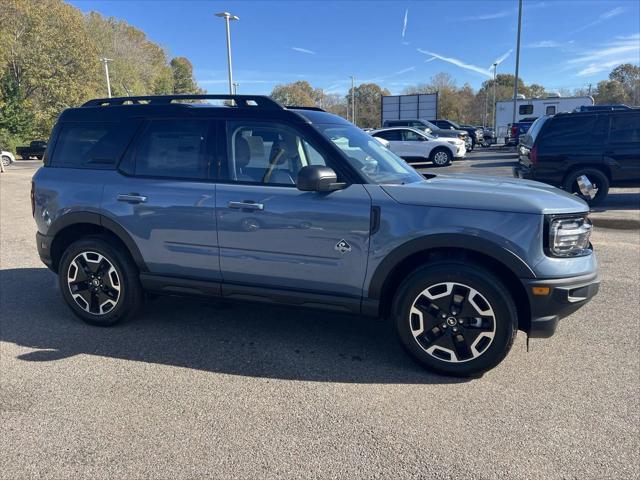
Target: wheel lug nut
443,315
460,322
444,325
455,329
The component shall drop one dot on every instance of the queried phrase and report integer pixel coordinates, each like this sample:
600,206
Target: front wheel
99,281
441,157
455,319
590,184
6,160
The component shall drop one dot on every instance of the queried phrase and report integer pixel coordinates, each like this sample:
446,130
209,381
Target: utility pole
515,87
228,17
105,61
353,100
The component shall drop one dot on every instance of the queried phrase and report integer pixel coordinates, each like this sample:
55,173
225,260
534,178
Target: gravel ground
195,389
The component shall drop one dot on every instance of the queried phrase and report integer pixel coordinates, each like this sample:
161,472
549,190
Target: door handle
246,205
131,198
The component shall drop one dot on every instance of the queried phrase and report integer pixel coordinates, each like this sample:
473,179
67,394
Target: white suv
414,145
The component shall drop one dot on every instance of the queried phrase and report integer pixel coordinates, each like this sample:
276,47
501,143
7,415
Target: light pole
495,108
353,100
515,87
105,61
228,17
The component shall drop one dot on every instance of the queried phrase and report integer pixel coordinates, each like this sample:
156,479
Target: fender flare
446,240
75,218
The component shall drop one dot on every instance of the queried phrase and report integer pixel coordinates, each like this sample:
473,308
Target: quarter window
551,110
172,148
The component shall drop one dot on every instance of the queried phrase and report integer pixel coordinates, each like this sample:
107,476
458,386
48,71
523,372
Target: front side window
268,153
411,136
365,154
625,129
173,148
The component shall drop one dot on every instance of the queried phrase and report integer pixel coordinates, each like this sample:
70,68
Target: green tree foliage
49,60
182,72
623,86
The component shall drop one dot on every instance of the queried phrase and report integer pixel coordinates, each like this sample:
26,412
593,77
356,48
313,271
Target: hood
479,192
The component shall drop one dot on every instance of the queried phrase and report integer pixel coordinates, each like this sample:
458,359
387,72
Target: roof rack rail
241,101
315,109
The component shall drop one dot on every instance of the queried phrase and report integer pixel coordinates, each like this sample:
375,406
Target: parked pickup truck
517,129
35,149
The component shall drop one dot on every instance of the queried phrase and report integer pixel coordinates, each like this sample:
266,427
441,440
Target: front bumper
43,242
461,151
566,295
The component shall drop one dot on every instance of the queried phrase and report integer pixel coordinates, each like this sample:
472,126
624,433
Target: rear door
623,150
274,236
163,196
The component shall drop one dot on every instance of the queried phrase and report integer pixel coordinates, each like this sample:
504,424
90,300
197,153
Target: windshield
374,161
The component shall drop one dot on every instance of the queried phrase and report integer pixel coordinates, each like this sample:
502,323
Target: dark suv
584,153
252,201
475,134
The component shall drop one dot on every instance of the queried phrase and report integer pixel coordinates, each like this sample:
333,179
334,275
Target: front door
271,234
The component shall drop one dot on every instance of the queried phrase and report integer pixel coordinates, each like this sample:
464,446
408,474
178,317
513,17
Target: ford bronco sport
250,200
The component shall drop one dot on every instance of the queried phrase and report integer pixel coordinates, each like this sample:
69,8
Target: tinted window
173,148
92,145
567,131
268,153
391,135
625,129
535,127
551,110
411,136
600,130
525,109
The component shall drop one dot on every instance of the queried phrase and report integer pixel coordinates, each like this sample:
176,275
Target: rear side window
550,110
625,129
92,145
568,131
173,148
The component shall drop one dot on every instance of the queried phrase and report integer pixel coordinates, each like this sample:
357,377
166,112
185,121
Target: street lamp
227,17
515,86
353,100
105,61
495,108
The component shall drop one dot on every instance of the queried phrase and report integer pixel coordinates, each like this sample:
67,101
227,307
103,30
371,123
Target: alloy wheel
94,283
452,322
440,158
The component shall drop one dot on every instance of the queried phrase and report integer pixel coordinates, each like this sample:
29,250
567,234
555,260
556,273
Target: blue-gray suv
240,198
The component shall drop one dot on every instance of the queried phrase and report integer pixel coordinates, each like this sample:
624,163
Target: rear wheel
455,319
441,157
590,184
6,160
99,281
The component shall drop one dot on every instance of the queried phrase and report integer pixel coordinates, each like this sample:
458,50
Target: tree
628,75
182,72
368,100
536,91
610,91
299,93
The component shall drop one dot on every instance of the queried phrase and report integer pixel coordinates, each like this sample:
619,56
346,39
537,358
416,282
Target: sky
565,44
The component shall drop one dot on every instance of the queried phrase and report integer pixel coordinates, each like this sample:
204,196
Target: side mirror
318,178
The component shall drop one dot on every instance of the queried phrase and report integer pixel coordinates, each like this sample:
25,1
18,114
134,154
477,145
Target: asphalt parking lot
194,389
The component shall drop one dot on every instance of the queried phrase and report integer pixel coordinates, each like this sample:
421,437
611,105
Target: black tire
129,291
6,160
491,347
597,177
486,143
437,158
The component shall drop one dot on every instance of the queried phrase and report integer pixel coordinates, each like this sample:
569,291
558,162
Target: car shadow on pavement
236,339
619,201
494,164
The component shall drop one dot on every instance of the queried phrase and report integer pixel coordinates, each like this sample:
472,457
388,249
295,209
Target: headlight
569,236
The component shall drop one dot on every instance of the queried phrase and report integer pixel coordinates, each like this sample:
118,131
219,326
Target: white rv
534,107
